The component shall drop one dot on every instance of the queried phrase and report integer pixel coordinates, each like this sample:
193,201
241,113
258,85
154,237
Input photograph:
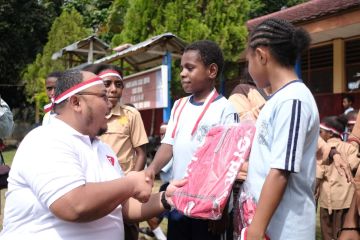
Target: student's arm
139,140
270,197
140,158
327,155
350,227
162,157
92,201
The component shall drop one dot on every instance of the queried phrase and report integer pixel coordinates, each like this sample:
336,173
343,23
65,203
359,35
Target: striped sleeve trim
293,136
236,118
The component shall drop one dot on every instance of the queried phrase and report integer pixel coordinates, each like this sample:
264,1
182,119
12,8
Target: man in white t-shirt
65,183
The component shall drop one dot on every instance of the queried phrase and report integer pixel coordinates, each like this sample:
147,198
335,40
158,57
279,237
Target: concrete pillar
339,81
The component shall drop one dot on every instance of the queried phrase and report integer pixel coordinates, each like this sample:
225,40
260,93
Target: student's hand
149,175
243,171
142,188
173,186
343,167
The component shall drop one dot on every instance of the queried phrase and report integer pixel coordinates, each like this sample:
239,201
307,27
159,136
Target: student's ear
213,70
262,55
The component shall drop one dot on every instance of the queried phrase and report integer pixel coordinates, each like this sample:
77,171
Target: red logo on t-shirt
111,160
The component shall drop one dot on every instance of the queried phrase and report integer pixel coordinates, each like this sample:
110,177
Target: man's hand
142,188
343,167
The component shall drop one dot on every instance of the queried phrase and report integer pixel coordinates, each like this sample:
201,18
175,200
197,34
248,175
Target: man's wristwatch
164,202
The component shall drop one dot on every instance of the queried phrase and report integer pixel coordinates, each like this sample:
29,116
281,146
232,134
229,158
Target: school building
331,67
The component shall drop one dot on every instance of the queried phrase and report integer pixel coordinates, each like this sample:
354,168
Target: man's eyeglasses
117,84
100,95
50,88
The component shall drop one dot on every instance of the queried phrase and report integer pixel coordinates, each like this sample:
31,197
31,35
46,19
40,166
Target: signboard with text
148,89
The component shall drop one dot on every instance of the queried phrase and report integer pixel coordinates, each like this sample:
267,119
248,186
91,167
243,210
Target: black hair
352,115
336,122
349,98
55,74
209,53
284,40
98,68
67,80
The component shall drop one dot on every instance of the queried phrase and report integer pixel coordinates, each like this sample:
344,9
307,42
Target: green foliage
66,29
24,25
94,12
217,20
263,7
117,11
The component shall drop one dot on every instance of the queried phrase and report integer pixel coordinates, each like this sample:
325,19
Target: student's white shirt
349,109
286,136
51,161
220,112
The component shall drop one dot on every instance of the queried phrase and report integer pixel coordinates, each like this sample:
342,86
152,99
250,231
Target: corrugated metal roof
308,11
149,53
81,48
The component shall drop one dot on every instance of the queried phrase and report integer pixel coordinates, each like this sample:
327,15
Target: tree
94,12
66,29
24,25
217,20
263,7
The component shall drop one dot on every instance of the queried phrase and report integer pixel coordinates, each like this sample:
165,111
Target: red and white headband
110,73
73,90
327,128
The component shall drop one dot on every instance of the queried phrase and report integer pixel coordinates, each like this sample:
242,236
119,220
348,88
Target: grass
9,155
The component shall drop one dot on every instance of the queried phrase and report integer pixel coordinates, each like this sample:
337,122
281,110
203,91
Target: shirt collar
117,111
60,124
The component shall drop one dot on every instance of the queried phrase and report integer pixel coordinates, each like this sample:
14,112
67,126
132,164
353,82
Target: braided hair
284,40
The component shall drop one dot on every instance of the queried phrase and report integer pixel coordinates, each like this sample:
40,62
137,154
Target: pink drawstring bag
213,170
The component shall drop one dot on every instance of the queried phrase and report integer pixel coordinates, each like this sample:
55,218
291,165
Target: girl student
281,175
335,192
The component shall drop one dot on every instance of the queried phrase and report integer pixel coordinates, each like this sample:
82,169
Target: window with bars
352,63
317,69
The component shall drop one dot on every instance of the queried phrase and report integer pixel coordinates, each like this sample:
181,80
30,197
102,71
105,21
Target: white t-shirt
51,161
48,117
287,131
220,112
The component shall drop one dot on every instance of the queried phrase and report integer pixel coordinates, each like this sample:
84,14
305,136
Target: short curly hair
209,52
